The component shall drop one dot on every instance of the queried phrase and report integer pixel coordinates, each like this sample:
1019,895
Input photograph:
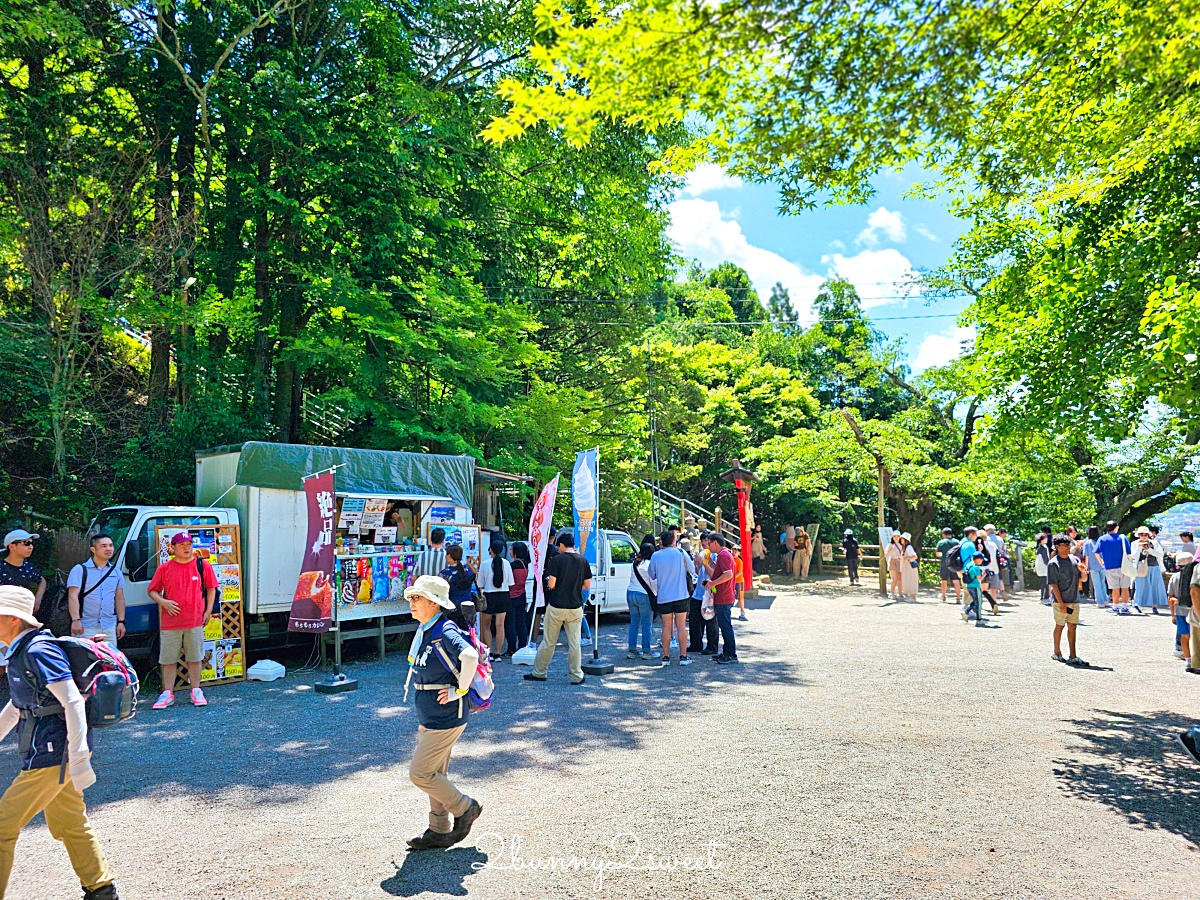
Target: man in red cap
184,588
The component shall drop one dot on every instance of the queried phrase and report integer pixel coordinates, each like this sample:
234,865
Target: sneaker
649,655
165,699
674,644
720,657
1058,657
709,652
1192,670
685,661
966,616
529,676
1178,654
104,892
666,660
1187,740
1076,661
728,660
632,654
580,681
585,642
198,698
742,618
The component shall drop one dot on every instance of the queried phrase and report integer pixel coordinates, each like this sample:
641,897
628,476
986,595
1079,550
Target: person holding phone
1062,578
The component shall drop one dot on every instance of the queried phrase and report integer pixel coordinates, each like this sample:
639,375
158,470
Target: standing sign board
224,637
469,537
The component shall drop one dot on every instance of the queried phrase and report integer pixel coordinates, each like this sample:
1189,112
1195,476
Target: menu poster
229,578
222,659
385,535
204,542
352,513
441,514
372,516
470,538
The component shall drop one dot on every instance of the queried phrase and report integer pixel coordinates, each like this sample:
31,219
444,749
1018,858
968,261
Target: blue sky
716,219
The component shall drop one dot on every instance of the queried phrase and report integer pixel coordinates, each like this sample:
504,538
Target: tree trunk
262,295
913,514
158,386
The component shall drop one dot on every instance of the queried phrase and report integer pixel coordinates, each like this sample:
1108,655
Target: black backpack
954,561
1185,583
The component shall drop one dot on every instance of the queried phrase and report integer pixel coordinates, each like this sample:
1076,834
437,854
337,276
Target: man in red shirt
185,600
724,591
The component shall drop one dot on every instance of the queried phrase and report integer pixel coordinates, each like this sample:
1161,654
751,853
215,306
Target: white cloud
701,232
882,221
939,349
925,232
709,177
877,275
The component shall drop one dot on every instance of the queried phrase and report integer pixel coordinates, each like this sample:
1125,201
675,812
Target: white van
614,568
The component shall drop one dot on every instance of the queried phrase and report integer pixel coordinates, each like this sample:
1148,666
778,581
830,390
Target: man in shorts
671,570
184,588
948,545
1112,548
1062,576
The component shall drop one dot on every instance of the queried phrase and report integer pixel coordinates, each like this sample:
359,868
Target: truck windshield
115,523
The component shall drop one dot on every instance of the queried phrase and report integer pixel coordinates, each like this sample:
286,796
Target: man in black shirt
17,570
568,575
1062,576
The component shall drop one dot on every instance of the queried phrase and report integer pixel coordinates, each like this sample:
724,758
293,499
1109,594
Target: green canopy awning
386,473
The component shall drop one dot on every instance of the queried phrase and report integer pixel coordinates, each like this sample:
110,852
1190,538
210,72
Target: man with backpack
184,587
55,747
96,593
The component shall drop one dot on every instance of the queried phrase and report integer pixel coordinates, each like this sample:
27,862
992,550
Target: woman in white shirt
909,576
1149,588
494,579
894,555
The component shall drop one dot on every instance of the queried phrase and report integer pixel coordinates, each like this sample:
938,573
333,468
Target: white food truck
257,486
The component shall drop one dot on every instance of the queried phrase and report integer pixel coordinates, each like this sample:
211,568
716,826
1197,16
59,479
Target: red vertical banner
743,489
312,604
539,529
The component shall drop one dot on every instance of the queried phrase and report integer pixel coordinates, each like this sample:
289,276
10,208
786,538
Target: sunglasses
24,543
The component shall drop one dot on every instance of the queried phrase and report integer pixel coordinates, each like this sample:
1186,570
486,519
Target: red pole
747,559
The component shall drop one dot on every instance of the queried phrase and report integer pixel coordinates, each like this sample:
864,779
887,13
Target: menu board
352,513
373,513
469,537
224,638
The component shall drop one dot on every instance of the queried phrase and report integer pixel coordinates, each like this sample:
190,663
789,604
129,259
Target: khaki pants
557,619
430,763
37,790
1194,644
803,561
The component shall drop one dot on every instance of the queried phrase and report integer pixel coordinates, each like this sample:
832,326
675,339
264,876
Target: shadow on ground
1131,763
272,743
435,872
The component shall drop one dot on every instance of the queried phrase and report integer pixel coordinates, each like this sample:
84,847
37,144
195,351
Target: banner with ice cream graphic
585,487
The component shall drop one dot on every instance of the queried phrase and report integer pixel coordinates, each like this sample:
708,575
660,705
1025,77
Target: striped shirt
430,562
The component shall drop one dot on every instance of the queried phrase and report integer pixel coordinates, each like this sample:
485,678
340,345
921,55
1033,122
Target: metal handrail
662,496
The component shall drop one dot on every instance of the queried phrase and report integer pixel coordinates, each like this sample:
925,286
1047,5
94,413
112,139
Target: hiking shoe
198,698
463,823
685,661
1058,657
529,676
104,892
1187,740
430,840
165,699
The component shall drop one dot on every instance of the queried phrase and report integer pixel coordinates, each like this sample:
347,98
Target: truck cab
132,531
614,567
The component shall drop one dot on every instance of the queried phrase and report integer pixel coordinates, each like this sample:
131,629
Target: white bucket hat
18,602
431,587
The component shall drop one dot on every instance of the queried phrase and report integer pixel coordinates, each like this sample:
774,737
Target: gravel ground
864,749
